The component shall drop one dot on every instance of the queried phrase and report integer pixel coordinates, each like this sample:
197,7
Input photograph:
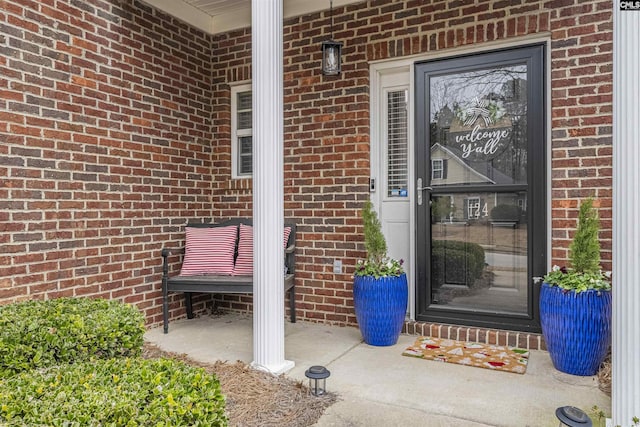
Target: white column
268,182
626,222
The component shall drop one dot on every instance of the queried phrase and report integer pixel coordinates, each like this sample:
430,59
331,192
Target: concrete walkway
377,386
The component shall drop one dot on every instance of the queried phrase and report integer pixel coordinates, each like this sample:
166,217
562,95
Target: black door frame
535,57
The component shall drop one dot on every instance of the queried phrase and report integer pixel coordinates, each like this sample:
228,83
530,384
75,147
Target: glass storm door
480,169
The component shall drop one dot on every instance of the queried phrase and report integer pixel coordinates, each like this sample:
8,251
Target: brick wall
105,147
582,88
117,129
327,120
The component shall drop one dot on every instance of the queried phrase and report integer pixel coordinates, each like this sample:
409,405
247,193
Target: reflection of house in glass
488,126
449,168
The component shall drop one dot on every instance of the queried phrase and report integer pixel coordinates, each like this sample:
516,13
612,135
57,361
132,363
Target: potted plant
575,302
379,287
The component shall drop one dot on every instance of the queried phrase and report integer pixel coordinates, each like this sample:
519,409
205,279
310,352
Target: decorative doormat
499,358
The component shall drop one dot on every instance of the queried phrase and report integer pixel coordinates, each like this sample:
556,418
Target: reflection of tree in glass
459,88
442,209
506,87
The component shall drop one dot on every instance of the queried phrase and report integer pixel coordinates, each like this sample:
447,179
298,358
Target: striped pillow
244,261
209,250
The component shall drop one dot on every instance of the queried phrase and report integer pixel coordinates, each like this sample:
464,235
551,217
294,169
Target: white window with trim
437,169
241,131
473,207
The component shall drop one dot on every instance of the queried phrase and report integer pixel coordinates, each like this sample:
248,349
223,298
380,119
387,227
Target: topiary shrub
584,251
113,392
374,241
35,334
456,262
377,264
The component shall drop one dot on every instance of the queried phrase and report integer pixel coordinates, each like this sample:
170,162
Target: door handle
420,189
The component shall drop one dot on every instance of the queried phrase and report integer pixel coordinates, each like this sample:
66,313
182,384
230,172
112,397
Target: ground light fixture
331,53
317,379
573,417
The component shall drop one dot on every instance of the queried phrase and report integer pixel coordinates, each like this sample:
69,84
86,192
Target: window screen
243,117
244,110
245,158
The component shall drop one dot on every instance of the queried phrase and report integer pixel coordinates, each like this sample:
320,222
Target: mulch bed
604,376
256,398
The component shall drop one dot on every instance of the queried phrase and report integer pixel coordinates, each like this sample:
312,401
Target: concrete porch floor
377,386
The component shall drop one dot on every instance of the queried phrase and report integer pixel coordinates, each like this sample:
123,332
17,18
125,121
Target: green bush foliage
584,251
506,213
374,241
456,262
441,208
377,264
585,272
113,392
36,334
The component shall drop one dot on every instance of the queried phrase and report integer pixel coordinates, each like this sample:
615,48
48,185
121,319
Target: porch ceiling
219,16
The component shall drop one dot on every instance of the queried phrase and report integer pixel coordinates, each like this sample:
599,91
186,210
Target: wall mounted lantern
573,417
317,379
331,53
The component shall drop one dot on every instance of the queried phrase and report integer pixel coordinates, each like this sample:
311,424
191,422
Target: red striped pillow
287,232
244,261
209,250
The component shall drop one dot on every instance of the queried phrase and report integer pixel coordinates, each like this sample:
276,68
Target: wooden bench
222,284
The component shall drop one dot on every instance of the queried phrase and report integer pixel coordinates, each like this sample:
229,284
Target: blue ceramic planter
380,306
576,328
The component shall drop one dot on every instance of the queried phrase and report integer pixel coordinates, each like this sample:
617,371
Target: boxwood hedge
36,334
456,262
113,392
74,362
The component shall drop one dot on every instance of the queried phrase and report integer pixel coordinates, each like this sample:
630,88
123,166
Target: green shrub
113,392
441,208
584,251
377,264
374,241
37,334
506,213
475,251
456,262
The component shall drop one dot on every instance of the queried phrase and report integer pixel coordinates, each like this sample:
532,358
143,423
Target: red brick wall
582,87
117,129
105,147
327,119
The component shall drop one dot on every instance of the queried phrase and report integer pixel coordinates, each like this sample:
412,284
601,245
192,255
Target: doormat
499,358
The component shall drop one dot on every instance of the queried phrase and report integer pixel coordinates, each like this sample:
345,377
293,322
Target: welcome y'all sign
480,129
481,141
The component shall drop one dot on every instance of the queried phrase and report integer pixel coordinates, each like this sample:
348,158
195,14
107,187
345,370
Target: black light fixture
573,417
317,379
331,53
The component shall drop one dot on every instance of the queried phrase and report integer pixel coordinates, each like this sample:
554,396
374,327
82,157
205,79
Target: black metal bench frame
222,284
